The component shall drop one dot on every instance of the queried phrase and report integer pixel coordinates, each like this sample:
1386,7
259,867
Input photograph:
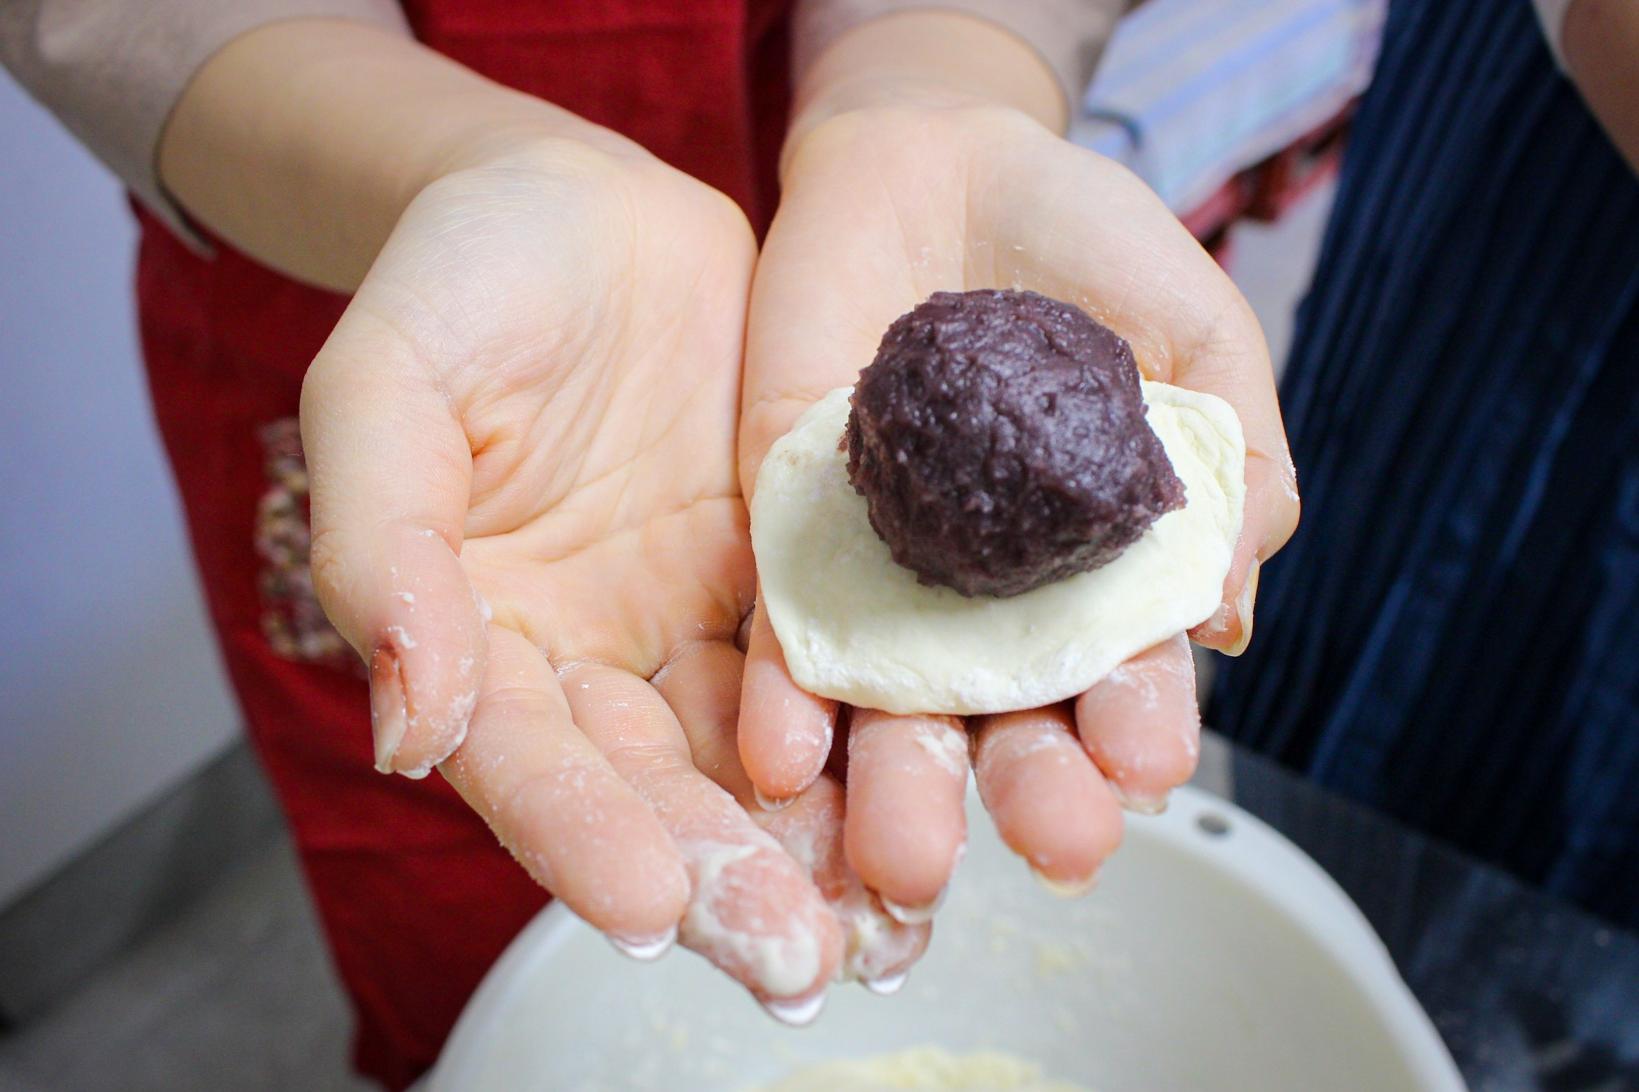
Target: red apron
415,896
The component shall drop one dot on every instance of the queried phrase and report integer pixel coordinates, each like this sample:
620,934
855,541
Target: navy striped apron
1453,634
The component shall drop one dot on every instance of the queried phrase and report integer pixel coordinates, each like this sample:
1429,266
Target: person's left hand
881,208
520,438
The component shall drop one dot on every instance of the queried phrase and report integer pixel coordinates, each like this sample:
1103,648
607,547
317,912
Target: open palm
526,517
882,208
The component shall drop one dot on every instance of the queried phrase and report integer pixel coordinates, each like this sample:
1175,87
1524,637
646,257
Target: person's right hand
882,206
521,440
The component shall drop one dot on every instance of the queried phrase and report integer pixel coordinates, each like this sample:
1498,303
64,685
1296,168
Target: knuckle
647,761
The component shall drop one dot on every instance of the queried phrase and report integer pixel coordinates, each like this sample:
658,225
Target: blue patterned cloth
1453,634
1191,92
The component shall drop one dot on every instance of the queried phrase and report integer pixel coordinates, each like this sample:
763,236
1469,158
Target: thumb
390,472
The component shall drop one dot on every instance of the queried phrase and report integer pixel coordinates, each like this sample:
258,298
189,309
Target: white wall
110,689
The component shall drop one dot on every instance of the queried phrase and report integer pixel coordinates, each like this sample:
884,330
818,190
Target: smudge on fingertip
796,1013
1065,889
645,949
887,985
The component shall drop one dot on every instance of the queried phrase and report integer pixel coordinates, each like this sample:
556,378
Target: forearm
941,57
301,142
1600,39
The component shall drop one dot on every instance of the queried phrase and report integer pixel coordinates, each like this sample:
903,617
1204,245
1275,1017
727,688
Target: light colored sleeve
111,70
1069,34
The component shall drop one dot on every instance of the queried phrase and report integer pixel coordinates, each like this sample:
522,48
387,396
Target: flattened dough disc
857,627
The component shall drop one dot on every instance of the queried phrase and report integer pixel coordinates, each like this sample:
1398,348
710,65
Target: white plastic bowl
1202,961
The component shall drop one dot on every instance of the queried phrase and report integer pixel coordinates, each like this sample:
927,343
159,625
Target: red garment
416,897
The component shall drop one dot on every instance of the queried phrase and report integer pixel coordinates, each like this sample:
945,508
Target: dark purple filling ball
999,441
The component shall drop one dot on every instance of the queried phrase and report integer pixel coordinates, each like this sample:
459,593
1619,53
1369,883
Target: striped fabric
1190,92
1452,634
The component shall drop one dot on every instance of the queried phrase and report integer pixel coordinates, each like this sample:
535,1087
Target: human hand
882,206
526,518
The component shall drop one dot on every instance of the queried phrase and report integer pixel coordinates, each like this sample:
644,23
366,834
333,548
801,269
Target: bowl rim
1247,851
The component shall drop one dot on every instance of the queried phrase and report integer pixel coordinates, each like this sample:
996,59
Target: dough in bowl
857,627
925,1068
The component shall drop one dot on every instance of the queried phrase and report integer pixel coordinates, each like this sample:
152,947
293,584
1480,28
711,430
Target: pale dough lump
925,1068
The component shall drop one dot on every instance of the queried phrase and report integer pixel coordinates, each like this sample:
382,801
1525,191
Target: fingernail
771,803
644,949
913,915
887,985
1066,889
798,1013
388,714
417,773
1243,610
1140,805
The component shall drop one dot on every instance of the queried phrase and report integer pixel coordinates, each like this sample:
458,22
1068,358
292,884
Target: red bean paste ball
1000,443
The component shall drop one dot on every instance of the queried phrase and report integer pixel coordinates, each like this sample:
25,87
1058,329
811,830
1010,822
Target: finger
1268,521
752,911
1051,805
555,803
702,685
785,732
389,469
905,827
1229,629
1128,261
878,950
1142,725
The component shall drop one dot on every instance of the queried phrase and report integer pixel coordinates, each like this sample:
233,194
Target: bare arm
927,58
302,141
297,130
1033,57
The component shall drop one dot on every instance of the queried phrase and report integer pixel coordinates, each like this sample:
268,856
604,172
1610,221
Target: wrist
493,126
931,60
301,142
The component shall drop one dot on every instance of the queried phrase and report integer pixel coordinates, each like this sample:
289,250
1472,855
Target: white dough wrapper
857,627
